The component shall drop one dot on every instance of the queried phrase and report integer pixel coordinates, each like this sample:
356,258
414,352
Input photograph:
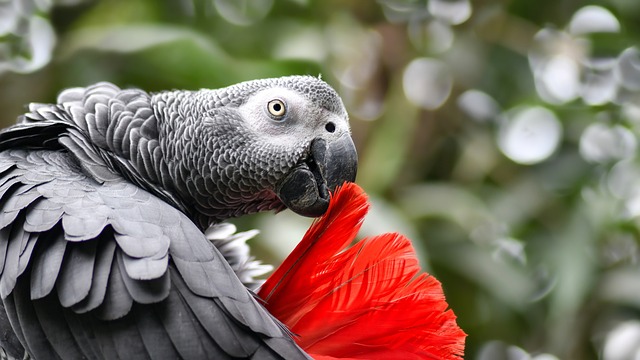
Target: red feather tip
367,301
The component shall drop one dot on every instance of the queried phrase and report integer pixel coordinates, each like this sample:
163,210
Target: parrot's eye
276,108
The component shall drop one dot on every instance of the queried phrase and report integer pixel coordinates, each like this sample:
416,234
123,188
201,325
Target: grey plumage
195,150
232,245
104,197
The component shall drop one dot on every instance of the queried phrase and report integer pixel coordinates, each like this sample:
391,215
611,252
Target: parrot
360,299
113,202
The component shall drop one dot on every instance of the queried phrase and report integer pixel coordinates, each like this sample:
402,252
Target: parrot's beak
329,163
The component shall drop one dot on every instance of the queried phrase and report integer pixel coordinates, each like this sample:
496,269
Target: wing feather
76,273
26,253
146,268
100,277
128,341
12,259
148,291
9,186
18,201
46,262
37,342
102,332
117,301
181,327
64,342
113,252
83,335
9,307
155,338
9,341
4,242
213,318
83,227
43,215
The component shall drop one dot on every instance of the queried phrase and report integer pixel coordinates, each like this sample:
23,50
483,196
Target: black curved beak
305,189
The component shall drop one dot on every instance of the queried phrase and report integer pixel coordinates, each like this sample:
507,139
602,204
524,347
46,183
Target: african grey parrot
105,197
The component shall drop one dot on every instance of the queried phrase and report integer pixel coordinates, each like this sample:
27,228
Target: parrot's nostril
330,127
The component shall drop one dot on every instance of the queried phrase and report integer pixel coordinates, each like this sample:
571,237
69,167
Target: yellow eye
276,108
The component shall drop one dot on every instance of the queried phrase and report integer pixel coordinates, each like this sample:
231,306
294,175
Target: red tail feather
368,301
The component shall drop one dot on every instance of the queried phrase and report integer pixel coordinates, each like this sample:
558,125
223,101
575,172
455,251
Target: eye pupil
330,127
276,107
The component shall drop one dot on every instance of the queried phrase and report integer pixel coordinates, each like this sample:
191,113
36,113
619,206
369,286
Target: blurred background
501,136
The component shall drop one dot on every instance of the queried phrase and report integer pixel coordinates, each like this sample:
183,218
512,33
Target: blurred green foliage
500,135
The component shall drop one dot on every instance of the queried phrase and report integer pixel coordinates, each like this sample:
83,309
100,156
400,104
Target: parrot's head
304,119
271,144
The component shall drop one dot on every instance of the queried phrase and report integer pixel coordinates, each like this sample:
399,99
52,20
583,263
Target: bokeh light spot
628,69
623,342
530,135
478,105
243,12
452,11
434,36
427,83
560,79
600,143
301,43
622,179
592,19
599,87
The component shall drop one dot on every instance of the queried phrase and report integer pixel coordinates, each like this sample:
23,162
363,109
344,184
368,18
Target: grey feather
88,157
208,279
181,328
154,337
76,274
235,342
12,258
9,342
127,340
36,343
10,184
100,277
145,268
63,343
103,337
9,308
25,255
43,215
81,227
4,242
83,336
18,201
46,267
145,292
233,246
117,301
